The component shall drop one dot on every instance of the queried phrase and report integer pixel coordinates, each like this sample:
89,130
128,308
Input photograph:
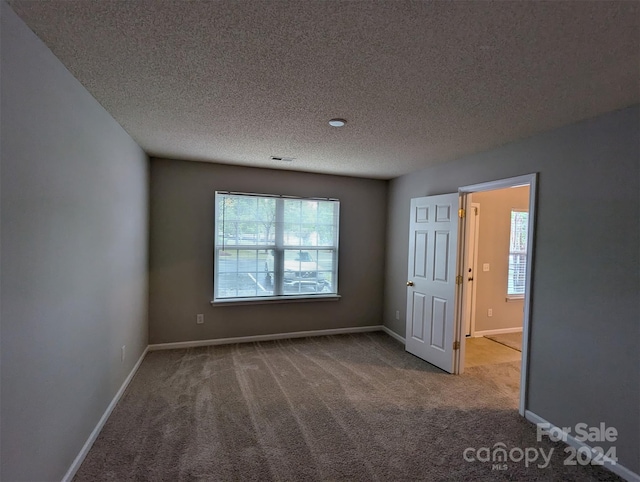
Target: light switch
485,267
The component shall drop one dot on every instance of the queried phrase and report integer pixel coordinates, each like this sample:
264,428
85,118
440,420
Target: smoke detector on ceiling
337,122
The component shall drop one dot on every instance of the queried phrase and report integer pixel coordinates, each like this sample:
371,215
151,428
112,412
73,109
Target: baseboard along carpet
347,407
512,340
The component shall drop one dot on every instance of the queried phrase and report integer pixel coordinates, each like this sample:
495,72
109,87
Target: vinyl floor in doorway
484,351
512,340
351,407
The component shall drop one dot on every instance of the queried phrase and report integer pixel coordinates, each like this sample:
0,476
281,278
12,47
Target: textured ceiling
420,82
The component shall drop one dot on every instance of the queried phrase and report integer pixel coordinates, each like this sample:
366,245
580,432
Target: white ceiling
420,82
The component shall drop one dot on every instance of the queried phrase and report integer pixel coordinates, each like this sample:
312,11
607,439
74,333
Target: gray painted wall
585,325
493,248
74,217
181,252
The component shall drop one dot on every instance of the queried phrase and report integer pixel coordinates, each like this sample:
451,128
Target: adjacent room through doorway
496,256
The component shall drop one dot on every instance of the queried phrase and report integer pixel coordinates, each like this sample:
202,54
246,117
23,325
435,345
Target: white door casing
469,274
531,180
431,285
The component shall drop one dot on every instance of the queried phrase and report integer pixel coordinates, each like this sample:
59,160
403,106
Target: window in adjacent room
517,254
274,247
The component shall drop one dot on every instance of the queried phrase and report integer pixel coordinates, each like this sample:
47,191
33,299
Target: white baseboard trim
499,331
394,335
275,336
610,465
96,431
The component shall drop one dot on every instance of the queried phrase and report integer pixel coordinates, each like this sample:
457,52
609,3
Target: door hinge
461,213
456,345
459,280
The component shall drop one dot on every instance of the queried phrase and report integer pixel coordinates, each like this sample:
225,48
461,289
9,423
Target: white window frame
278,249
516,296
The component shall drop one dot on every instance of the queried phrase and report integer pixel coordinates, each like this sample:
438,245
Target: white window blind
274,247
518,253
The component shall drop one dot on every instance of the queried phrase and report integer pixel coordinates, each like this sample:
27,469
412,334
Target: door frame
464,203
471,251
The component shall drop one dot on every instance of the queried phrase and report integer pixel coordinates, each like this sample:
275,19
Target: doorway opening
495,255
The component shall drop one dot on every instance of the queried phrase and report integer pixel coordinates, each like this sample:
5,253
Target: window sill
268,300
514,298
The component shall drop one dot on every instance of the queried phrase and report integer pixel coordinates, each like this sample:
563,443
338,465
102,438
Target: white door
431,285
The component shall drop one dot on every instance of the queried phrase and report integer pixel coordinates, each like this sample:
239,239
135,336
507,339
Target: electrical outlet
200,319
122,353
490,312
485,267
397,315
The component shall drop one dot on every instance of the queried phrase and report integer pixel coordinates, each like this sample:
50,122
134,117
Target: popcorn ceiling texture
419,82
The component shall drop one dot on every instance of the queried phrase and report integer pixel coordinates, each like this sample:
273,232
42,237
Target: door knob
409,283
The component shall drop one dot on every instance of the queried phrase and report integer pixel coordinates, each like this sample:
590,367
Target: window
275,247
518,254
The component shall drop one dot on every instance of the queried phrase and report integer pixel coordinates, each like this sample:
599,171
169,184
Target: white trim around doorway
531,181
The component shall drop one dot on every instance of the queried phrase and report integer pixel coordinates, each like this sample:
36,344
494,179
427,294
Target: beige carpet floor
352,407
512,340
